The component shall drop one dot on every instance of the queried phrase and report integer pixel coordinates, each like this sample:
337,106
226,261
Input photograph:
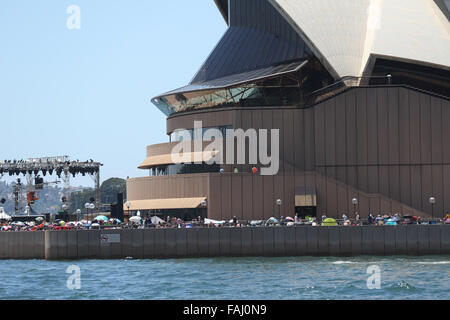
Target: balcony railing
341,85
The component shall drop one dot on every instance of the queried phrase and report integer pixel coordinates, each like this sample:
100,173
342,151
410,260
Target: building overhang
171,158
164,204
167,101
242,78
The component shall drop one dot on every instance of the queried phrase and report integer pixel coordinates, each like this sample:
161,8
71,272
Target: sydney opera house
359,91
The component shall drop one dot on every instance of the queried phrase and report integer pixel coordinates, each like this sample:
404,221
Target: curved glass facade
177,169
288,89
189,135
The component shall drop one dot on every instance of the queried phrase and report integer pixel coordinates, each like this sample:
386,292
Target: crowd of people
136,222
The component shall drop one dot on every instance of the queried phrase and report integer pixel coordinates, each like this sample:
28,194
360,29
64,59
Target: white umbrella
156,220
135,219
272,221
215,222
3,215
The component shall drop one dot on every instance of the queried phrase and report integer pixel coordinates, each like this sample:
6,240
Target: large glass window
177,169
189,135
288,89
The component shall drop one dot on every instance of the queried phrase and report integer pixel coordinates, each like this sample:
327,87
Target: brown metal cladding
386,146
182,186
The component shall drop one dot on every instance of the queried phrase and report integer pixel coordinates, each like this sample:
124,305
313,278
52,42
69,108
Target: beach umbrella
215,222
101,218
39,219
3,215
156,220
273,220
287,219
391,222
135,219
329,222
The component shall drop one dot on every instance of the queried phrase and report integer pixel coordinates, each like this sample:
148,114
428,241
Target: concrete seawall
222,242
22,245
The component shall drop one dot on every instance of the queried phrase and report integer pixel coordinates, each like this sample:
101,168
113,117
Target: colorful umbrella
329,222
391,222
101,218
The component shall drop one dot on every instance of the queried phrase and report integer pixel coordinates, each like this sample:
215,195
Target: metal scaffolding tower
61,166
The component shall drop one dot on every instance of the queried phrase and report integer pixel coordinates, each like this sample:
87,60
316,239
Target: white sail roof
347,34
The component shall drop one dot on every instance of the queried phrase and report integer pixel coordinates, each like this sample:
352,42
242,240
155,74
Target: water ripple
230,278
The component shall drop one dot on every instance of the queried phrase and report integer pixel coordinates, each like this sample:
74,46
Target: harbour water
302,278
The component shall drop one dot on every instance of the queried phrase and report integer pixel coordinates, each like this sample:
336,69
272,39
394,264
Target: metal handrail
342,81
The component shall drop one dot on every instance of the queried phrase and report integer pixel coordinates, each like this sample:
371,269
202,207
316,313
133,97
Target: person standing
370,219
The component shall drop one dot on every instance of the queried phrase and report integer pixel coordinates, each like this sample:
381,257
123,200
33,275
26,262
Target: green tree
108,190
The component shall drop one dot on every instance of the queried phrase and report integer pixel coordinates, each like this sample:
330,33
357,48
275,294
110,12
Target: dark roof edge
301,64
222,5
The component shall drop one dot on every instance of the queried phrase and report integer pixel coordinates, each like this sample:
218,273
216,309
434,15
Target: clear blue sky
86,93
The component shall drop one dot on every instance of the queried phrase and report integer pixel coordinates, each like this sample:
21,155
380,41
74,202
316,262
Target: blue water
230,278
